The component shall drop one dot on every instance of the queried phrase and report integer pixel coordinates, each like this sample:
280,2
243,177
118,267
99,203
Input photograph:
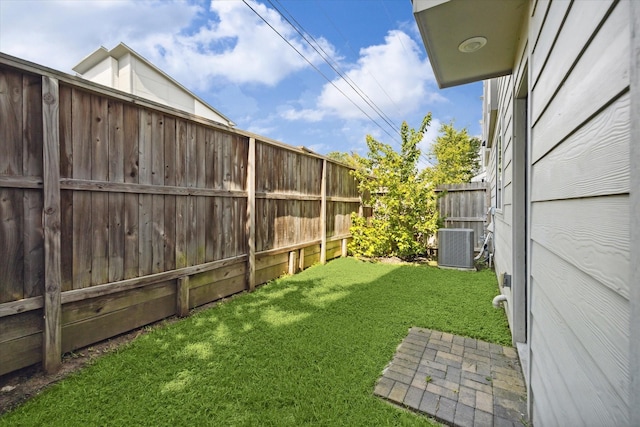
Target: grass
306,349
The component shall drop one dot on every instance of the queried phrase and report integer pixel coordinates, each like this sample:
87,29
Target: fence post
182,300
292,262
52,334
323,214
251,215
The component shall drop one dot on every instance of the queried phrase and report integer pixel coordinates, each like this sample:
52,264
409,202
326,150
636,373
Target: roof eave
445,24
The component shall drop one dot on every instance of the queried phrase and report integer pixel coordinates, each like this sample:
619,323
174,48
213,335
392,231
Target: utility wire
333,64
317,69
319,3
336,68
423,156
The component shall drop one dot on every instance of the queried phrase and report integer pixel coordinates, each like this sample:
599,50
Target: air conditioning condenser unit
455,248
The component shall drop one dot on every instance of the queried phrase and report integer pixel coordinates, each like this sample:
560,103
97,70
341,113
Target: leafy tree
350,159
403,201
456,156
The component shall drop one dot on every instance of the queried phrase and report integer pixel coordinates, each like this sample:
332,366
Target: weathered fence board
127,212
465,206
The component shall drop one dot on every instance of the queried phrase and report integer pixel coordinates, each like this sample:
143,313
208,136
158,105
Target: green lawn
305,349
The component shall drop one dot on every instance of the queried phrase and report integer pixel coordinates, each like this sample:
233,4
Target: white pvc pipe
497,300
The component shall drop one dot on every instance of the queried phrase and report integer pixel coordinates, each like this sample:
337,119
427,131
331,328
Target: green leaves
404,204
456,156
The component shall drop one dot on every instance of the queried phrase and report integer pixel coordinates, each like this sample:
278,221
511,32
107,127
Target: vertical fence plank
323,214
32,199
157,200
99,200
145,201
169,201
192,182
182,207
251,214
201,205
66,197
52,339
81,157
11,203
131,171
116,200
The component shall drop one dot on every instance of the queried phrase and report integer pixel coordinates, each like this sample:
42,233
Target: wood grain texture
116,201
138,282
323,214
98,328
32,138
99,202
131,159
11,200
20,353
170,212
11,110
251,214
52,334
146,196
157,201
182,296
82,212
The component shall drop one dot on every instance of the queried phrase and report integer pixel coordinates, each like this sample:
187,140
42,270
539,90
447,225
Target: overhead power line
317,47
333,64
317,69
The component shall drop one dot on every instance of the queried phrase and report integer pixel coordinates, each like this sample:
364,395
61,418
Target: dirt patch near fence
19,386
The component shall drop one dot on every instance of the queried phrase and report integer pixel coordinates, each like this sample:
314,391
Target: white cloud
193,45
59,34
238,46
391,76
305,114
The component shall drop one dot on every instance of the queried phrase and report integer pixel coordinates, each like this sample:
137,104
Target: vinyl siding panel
580,214
594,161
580,347
599,76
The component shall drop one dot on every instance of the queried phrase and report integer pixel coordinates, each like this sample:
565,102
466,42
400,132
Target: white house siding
104,72
503,217
206,112
150,84
579,214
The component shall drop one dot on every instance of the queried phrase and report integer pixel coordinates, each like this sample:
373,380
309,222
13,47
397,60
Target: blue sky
225,53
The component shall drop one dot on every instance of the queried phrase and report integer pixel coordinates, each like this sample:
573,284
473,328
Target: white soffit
492,26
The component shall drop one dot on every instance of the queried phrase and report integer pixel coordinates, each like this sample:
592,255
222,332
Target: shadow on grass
305,349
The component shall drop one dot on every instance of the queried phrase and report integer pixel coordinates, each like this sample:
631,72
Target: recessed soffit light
472,45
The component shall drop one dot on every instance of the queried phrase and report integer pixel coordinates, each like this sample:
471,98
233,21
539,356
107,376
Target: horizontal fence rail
116,212
465,206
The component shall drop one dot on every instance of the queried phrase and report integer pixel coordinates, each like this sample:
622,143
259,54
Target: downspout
498,299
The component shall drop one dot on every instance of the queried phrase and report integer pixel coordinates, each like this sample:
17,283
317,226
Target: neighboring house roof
96,67
468,40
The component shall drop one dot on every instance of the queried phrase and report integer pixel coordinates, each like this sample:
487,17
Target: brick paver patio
459,381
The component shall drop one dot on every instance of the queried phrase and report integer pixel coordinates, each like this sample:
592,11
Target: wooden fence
465,206
116,212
